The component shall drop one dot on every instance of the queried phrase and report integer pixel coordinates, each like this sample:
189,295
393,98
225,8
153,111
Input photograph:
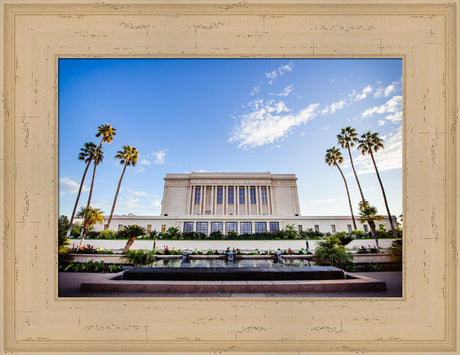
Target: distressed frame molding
35,34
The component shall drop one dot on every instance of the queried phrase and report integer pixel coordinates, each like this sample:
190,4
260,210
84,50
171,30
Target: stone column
203,200
212,200
225,199
187,204
235,200
269,200
258,199
246,188
192,205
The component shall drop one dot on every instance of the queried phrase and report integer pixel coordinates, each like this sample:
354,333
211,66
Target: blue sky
229,115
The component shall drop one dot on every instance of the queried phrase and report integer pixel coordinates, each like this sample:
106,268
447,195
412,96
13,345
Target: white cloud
160,156
144,161
393,109
358,97
68,186
345,102
337,106
388,158
268,122
271,75
281,70
287,91
139,193
332,108
386,91
254,90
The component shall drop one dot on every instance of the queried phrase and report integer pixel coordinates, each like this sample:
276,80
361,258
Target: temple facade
207,202
230,194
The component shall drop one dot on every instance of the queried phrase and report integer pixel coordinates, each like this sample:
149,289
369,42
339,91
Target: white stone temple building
241,202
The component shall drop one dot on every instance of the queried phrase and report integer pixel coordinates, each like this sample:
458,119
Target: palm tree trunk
349,199
374,234
128,245
83,233
116,195
384,197
356,176
78,198
92,184
94,174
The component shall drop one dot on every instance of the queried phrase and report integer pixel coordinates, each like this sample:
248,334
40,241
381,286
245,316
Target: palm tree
347,139
97,157
90,216
131,232
127,156
86,154
107,132
334,158
368,214
370,143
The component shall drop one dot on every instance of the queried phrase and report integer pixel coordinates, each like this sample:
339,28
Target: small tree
131,232
368,214
90,216
128,156
173,232
330,252
344,238
63,224
291,232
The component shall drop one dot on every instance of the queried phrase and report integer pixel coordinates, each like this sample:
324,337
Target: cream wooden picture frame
35,34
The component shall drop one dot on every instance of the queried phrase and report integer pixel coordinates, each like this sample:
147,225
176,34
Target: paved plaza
69,286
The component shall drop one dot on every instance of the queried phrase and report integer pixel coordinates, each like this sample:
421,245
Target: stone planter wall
118,259
375,258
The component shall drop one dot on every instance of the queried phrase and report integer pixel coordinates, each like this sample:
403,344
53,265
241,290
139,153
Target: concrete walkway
69,286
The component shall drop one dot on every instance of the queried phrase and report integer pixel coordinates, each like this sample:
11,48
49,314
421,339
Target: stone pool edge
357,283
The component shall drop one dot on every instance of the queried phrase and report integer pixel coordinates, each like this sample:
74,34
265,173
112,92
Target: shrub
281,234
396,247
291,232
90,266
75,231
151,235
199,235
107,234
330,252
362,250
231,235
216,235
344,238
359,234
312,234
63,243
173,233
63,224
140,257
86,249
92,234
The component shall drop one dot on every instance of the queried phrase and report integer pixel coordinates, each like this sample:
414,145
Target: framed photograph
37,35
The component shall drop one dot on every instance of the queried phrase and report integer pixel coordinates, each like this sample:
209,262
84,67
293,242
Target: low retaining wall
119,259
355,284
